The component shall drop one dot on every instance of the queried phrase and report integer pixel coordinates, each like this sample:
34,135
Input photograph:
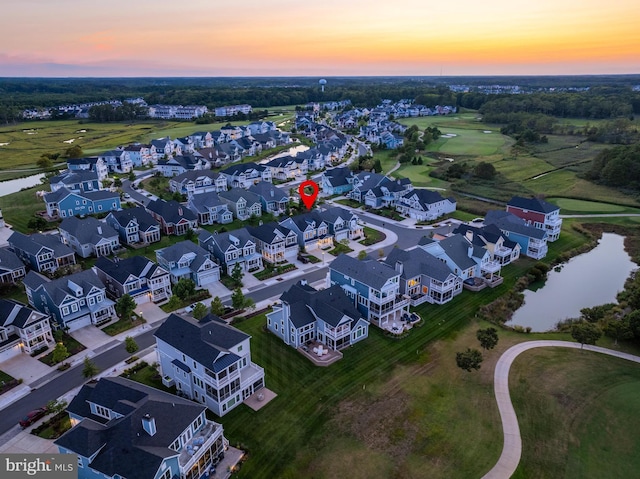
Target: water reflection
585,281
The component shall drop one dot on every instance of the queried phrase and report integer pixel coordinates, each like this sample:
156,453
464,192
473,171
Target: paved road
66,381
512,445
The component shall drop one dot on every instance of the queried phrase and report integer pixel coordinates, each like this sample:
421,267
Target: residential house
209,361
174,218
538,213
210,209
244,175
117,161
306,315
163,148
201,139
22,330
425,205
137,276
311,230
423,277
73,301
134,225
89,236
337,181
89,164
140,155
464,258
314,158
287,167
502,249
390,140
276,243
196,182
532,240
64,203
12,269
188,260
243,203
177,165
231,248
363,182
42,252
343,224
272,199
76,181
373,287
124,429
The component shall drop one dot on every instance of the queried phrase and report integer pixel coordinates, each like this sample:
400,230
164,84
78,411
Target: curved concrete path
512,447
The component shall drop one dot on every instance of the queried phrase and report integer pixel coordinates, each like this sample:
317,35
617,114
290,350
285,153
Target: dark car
33,416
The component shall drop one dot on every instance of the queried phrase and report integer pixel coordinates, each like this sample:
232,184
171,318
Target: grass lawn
270,271
579,414
18,208
123,325
54,427
338,249
372,236
573,206
349,202
419,175
4,377
148,375
469,142
73,347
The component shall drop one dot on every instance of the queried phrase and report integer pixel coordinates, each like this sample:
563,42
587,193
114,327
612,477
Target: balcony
201,442
250,374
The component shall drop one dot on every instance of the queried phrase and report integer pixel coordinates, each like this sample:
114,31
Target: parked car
189,308
33,416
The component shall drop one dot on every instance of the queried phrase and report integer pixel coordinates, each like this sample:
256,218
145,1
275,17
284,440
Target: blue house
532,240
122,428
373,287
306,315
42,252
64,203
337,181
76,181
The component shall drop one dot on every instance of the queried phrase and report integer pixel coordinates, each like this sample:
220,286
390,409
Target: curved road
512,446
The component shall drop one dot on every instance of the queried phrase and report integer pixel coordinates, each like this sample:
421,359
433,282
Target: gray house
89,236
273,199
231,248
188,260
209,361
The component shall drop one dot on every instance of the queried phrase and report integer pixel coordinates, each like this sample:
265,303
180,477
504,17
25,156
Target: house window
166,474
103,411
240,348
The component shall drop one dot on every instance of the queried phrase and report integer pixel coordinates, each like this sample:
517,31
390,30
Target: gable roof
33,243
268,231
121,446
235,194
533,204
208,341
142,216
457,248
242,167
509,222
369,272
120,270
58,289
176,251
425,197
9,261
87,230
416,262
171,211
269,192
14,313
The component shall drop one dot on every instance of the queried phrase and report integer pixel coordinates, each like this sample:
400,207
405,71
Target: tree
60,353
469,359
117,182
36,223
237,274
249,303
132,176
488,337
56,405
485,170
199,311
237,299
90,369
362,254
130,345
184,288
618,329
585,333
125,306
74,151
44,162
217,307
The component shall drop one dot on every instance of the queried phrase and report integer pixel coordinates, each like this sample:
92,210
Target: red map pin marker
308,198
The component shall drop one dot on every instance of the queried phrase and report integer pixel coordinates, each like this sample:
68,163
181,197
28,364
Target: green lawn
372,236
123,325
579,414
469,142
73,347
573,206
148,375
419,175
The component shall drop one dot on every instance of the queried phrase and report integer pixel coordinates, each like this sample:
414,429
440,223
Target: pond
13,186
585,281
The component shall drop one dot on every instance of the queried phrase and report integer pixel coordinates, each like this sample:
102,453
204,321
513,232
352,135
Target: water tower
322,83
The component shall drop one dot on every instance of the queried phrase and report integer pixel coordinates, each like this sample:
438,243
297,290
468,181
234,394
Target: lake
13,186
587,280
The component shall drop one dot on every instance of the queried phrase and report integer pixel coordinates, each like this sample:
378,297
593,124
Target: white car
189,308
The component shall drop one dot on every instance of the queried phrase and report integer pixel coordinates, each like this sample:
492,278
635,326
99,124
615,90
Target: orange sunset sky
318,38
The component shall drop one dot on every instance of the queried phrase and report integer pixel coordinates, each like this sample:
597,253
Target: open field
578,413
571,206
419,175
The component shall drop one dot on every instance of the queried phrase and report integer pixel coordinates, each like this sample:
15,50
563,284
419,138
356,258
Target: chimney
99,230
180,211
149,424
399,267
469,235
